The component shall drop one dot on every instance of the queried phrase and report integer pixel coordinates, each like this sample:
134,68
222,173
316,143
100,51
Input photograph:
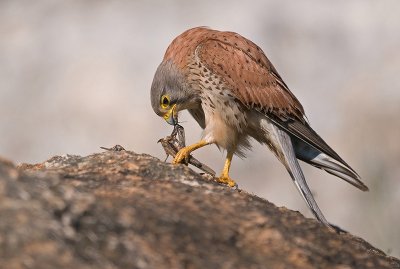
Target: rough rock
128,210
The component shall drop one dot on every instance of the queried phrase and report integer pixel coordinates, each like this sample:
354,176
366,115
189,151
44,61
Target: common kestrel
233,91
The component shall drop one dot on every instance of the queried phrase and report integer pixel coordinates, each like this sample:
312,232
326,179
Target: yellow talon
184,153
226,180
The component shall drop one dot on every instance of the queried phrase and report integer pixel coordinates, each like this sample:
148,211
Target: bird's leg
225,178
183,153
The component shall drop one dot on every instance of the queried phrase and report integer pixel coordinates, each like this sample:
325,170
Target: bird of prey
233,91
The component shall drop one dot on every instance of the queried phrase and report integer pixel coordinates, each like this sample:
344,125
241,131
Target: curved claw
182,156
184,153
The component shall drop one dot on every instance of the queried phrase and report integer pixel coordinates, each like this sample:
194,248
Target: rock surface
128,210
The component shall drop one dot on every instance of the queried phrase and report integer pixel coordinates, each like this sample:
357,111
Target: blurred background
76,75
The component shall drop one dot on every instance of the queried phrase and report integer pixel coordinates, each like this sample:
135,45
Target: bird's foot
182,156
226,180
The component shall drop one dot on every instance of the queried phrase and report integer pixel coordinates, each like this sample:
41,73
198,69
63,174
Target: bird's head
170,93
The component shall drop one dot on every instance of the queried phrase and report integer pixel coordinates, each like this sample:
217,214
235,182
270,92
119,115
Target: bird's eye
165,101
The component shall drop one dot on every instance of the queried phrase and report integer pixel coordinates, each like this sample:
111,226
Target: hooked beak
171,116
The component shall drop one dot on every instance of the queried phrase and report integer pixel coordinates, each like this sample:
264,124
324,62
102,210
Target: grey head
170,92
